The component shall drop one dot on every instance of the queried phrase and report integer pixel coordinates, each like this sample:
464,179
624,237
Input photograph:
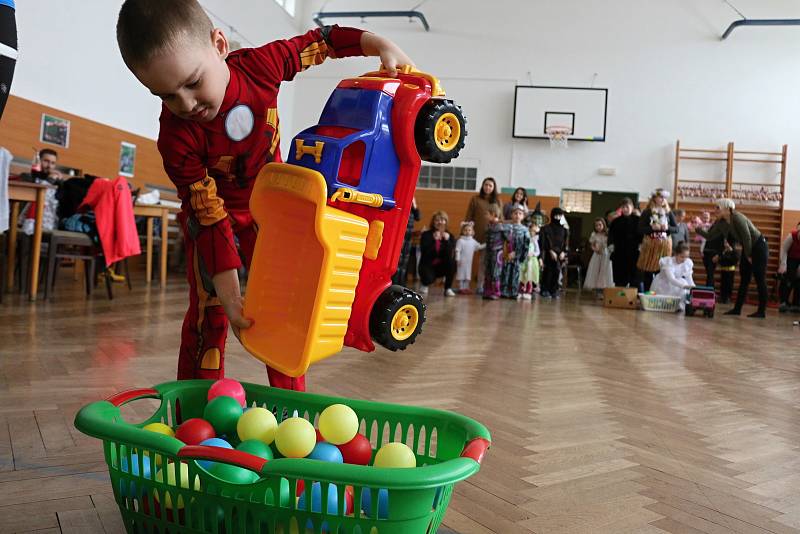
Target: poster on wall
54,131
127,158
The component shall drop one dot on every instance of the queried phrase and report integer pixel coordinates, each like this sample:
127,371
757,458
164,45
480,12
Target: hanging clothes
113,207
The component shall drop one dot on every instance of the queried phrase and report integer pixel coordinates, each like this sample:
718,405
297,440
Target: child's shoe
423,290
449,293
526,296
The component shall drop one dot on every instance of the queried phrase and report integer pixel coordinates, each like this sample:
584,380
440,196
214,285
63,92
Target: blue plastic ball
130,490
316,499
383,502
326,452
212,442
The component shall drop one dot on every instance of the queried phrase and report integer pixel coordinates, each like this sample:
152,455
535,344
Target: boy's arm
282,60
207,224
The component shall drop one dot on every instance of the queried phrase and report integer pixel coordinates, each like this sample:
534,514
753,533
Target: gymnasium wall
669,75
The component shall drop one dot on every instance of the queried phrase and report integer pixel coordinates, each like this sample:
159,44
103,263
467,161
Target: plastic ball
338,424
160,428
256,448
233,474
193,431
171,481
130,489
395,454
316,499
383,502
257,423
213,442
295,438
357,451
223,413
325,452
227,387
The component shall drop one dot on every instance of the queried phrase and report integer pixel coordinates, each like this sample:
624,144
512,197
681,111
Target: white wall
69,58
669,76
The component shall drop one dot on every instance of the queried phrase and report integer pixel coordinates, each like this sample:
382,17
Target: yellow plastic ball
395,455
257,423
171,481
160,428
338,424
295,438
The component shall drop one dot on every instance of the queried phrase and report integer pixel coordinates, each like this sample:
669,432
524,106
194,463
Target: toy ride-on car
332,221
701,298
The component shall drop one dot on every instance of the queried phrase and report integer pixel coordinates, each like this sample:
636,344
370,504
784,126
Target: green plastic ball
233,474
256,448
223,413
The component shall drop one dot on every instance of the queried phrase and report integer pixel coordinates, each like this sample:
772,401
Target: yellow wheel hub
447,132
405,322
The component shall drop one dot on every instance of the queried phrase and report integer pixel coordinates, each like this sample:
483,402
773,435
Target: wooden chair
76,246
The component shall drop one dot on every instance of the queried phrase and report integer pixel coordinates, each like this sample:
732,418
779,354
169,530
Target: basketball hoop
558,135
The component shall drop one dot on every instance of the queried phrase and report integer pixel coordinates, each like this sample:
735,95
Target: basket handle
476,449
129,395
219,454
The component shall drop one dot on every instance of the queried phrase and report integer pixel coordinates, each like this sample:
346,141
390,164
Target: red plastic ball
301,487
227,387
193,431
319,435
357,451
348,498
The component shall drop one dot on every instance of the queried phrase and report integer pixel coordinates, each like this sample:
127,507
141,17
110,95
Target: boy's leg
205,326
247,242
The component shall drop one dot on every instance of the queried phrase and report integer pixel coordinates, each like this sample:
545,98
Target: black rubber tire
689,310
710,313
425,131
380,320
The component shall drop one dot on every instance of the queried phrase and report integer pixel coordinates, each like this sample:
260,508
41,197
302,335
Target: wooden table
152,211
25,192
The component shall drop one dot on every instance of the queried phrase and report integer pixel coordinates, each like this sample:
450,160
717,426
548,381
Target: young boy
519,241
219,127
554,252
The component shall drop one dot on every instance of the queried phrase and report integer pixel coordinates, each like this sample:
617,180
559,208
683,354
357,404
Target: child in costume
675,276
218,128
516,253
465,252
599,273
496,237
554,252
529,274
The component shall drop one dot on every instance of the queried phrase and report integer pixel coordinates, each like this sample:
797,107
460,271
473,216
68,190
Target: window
576,201
448,177
288,5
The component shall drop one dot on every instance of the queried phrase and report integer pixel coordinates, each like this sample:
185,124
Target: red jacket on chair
113,208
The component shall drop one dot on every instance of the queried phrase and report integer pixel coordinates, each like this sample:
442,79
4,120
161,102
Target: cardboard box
621,297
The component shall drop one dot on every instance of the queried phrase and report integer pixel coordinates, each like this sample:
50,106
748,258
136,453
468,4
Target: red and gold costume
214,166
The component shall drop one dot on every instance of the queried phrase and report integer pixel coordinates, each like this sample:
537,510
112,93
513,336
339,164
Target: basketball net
558,136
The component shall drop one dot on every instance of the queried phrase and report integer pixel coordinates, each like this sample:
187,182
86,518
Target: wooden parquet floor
602,420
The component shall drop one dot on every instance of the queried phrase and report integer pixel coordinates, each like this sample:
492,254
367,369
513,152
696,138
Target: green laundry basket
449,448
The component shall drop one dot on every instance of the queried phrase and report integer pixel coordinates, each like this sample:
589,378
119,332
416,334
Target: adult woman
519,198
753,261
656,225
437,258
8,49
477,212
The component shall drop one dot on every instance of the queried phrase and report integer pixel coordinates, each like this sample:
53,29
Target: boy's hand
391,55
226,286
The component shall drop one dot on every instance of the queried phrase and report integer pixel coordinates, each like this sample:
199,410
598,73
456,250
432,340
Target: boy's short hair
48,151
495,210
681,247
148,27
626,201
679,212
